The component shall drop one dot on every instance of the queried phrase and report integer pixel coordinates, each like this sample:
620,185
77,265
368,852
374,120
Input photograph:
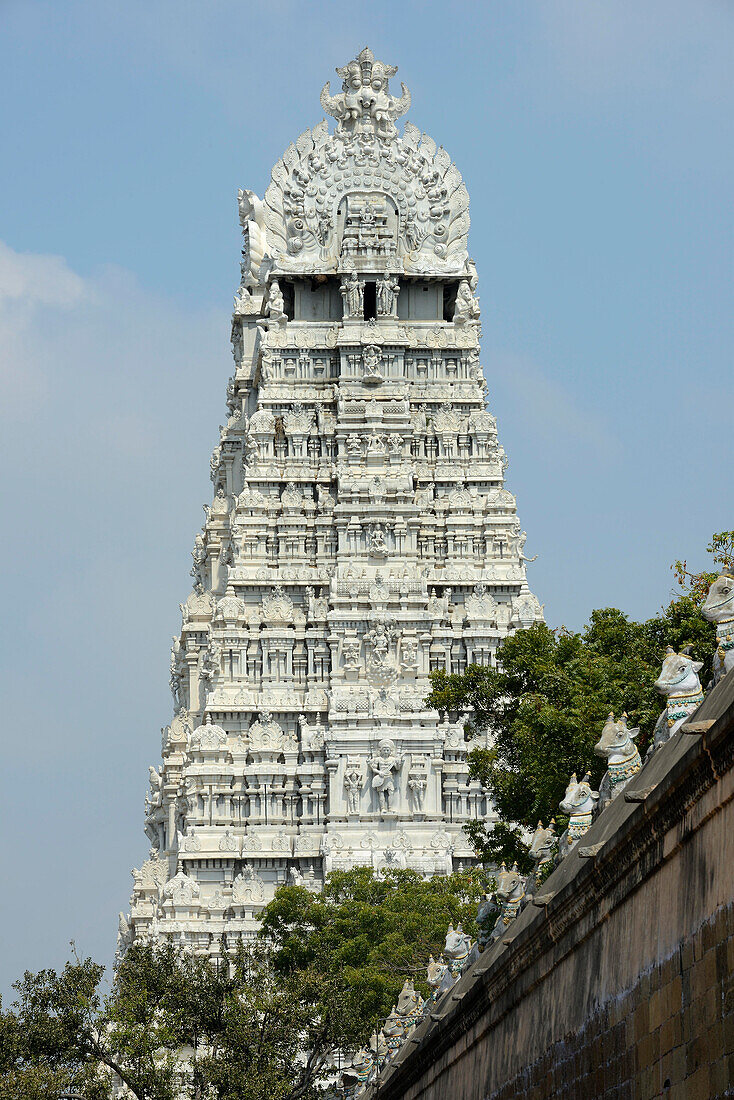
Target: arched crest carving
406,180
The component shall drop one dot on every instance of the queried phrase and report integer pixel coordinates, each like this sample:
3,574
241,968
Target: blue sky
596,142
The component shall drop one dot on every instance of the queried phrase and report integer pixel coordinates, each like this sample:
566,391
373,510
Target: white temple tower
360,536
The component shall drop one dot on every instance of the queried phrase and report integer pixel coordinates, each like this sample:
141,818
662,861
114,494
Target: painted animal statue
393,1032
456,949
578,802
617,745
356,1077
542,850
719,609
510,896
409,1009
440,979
486,920
679,681
378,1049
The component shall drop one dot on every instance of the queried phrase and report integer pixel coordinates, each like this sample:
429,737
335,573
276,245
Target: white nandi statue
393,1032
542,848
409,1009
378,1049
510,895
456,949
440,978
356,1077
578,802
623,760
719,609
679,681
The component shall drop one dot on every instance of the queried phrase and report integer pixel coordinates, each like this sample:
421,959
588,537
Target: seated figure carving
510,895
542,850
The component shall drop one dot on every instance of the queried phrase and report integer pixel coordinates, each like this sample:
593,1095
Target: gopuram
359,537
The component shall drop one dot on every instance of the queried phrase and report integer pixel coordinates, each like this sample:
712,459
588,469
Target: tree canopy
547,701
370,932
265,1025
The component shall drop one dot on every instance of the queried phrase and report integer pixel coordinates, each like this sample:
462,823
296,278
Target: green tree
368,933
264,1025
547,701
173,1025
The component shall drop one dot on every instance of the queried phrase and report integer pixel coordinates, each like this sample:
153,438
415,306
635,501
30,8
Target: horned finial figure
578,802
542,849
365,105
616,744
456,948
409,1009
678,680
510,896
719,609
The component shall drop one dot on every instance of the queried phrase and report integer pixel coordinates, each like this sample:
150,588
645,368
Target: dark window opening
288,300
370,301
449,300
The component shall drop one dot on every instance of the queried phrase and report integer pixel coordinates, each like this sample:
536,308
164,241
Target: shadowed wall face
671,1034
620,981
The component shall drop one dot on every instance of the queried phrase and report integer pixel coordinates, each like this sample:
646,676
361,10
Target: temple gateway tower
360,536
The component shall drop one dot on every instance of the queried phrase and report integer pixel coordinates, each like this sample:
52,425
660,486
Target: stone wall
618,980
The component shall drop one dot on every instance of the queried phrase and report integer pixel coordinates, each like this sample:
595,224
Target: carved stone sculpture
678,680
388,289
383,765
510,896
578,802
617,745
360,536
352,290
353,782
719,609
456,949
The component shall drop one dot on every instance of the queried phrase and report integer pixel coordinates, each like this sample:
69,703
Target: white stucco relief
359,536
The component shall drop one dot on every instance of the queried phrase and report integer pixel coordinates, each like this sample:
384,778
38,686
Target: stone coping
639,830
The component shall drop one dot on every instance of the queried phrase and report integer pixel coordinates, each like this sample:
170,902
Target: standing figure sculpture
352,291
353,785
388,289
383,765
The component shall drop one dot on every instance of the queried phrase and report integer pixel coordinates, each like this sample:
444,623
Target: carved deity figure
352,291
417,786
372,360
678,680
376,444
388,289
353,785
155,796
383,765
199,556
467,306
350,652
719,609
275,307
377,543
365,105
